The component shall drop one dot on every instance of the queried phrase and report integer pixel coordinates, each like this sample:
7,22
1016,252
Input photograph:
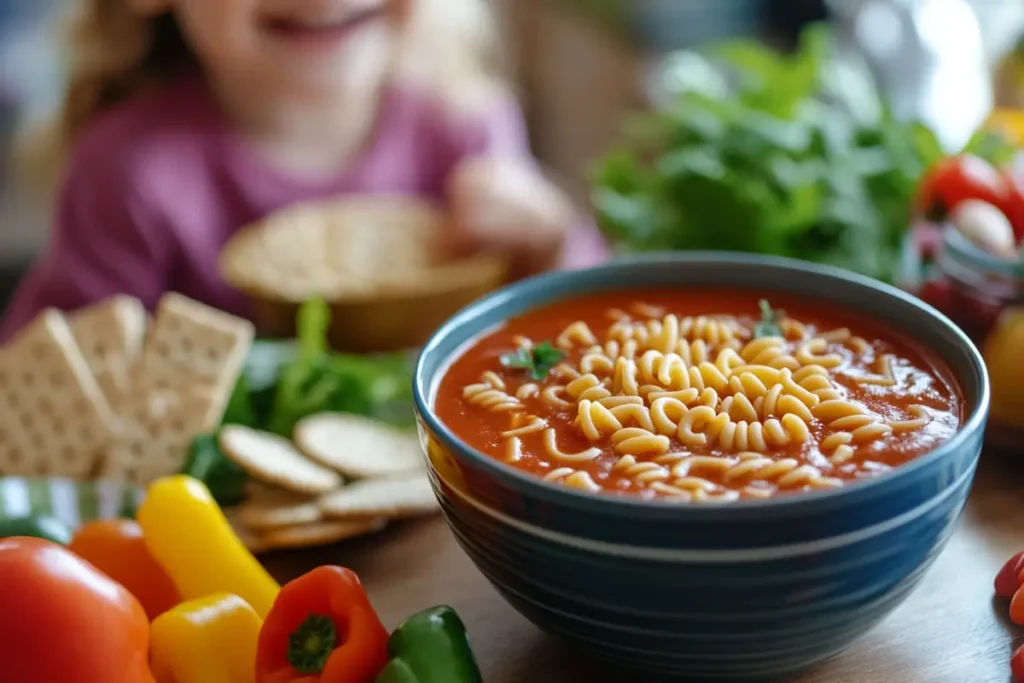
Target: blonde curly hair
115,53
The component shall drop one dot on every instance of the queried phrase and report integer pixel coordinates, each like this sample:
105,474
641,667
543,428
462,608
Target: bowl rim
972,424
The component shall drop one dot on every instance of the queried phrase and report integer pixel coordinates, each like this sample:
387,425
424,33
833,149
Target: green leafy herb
263,369
770,323
207,463
991,146
239,410
318,380
789,157
312,325
538,361
284,382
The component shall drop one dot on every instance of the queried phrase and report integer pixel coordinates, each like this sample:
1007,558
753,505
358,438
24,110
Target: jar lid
966,252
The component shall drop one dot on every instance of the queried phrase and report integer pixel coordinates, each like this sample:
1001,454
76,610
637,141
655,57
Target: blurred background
584,66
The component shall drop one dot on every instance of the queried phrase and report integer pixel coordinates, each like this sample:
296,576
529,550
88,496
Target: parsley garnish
769,325
538,361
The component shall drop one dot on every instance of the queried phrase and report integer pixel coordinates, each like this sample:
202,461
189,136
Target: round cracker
319,533
260,515
358,447
258,490
409,495
274,460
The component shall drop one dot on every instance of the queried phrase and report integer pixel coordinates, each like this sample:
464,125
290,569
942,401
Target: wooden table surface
950,630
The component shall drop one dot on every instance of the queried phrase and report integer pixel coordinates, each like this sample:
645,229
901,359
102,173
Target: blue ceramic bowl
729,591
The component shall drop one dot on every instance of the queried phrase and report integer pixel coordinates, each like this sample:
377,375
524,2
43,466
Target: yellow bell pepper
211,640
1007,122
1002,351
192,540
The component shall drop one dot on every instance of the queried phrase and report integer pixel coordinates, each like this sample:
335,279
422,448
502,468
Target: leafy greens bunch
287,381
775,163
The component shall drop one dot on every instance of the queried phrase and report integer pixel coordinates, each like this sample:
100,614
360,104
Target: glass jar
984,295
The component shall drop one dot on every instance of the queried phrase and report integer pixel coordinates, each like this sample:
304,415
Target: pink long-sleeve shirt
156,186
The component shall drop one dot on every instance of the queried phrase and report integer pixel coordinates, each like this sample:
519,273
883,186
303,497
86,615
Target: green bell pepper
36,526
431,647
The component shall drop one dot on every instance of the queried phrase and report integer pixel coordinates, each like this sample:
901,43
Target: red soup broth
683,395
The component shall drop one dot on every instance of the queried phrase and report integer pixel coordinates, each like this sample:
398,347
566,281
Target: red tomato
1008,579
1013,205
64,620
1017,664
1017,607
955,179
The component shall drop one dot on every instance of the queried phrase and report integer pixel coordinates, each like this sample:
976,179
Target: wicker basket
384,324
300,253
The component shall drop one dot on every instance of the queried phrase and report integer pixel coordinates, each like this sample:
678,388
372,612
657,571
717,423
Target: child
187,119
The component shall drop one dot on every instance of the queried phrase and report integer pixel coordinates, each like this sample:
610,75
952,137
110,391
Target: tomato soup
702,395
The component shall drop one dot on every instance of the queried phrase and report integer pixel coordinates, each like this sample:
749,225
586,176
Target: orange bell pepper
62,620
322,629
117,548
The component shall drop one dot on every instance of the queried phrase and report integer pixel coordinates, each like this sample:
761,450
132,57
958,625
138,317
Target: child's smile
323,28
314,45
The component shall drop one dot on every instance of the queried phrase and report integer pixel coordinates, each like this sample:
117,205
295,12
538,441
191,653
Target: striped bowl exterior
749,590
72,502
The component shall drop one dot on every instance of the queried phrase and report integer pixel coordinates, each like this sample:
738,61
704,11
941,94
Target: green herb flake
538,361
770,323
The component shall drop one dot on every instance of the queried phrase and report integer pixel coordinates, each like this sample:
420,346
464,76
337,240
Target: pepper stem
311,644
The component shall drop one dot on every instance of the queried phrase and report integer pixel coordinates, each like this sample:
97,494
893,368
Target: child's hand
505,205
